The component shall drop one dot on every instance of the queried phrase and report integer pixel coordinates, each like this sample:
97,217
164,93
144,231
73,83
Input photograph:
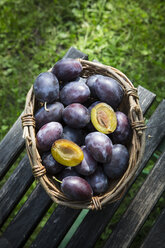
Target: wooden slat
140,208
146,98
4,243
75,53
56,227
95,220
153,134
10,147
156,237
14,188
28,217
92,227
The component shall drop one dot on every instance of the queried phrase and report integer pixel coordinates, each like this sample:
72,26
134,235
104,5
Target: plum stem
55,178
45,106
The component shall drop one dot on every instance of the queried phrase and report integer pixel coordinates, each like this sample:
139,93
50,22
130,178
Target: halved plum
104,118
67,152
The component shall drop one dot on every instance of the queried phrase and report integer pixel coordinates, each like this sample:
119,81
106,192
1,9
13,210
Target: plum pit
104,118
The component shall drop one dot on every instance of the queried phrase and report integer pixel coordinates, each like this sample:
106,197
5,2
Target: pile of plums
80,133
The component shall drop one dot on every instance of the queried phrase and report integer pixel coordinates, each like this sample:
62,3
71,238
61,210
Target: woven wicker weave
130,106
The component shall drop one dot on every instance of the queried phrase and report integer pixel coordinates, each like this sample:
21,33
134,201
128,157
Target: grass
128,35
34,34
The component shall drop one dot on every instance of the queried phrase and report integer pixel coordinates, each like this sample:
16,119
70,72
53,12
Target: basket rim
39,171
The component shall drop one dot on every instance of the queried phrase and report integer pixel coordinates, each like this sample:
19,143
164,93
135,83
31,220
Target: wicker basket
130,106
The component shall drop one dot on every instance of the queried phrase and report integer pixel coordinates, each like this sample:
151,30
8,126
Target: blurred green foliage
34,34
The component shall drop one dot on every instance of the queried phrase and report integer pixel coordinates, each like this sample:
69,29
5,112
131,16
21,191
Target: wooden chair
71,228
